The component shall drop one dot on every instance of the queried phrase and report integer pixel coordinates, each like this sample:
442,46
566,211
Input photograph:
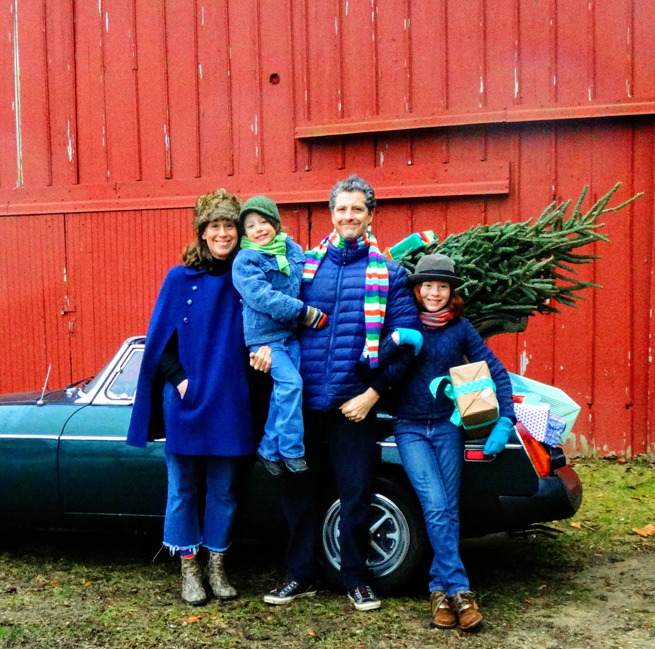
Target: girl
267,273
431,447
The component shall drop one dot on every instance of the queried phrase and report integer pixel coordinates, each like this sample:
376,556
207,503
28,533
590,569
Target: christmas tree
523,268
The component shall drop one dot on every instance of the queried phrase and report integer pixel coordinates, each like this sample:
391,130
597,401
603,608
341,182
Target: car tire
399,543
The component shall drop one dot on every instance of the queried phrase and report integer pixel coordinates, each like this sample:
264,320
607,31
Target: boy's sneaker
275,468
289,591
295,464
364,598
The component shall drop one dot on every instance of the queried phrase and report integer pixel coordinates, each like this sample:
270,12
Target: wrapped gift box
475,396
561,405
556,428
534,416
409,244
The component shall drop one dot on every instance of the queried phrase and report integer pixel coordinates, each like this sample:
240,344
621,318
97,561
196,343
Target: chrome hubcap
389,536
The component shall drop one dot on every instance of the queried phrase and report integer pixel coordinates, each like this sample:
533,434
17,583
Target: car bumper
559,496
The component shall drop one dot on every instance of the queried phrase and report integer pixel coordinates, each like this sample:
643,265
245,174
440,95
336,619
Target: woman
194,374
431,447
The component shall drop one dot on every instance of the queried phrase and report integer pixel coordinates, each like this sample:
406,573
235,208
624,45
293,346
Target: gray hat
435,268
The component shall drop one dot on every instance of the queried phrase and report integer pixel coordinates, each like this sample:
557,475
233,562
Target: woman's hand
261,360
358,407
181,388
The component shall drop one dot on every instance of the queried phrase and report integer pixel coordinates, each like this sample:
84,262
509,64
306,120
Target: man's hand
181,388
358,407
262,359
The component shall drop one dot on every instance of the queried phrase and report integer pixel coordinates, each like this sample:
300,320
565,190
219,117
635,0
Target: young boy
267,273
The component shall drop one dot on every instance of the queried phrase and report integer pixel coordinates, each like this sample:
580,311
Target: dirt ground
616,611
592,586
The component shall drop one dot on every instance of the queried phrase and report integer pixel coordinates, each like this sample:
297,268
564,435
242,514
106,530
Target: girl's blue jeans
284,429
433,454
182,530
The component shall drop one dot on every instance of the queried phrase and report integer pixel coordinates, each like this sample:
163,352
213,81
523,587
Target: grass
60,590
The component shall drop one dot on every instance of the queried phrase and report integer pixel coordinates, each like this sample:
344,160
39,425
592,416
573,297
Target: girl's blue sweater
453,344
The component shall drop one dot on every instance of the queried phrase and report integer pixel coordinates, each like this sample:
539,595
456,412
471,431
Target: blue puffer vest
330,356
270,299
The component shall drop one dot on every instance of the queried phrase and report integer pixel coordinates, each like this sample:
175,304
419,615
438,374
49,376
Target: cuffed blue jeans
433,454
283,432
182,531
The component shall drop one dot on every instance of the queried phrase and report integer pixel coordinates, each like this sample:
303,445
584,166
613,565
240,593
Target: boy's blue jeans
284,428
433,454
182,531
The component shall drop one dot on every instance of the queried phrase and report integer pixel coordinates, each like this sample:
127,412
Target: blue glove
410,337
499,436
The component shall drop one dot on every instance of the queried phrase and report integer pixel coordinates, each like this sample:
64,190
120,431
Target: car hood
57,396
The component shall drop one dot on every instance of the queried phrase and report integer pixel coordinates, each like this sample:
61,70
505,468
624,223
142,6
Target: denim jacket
271,307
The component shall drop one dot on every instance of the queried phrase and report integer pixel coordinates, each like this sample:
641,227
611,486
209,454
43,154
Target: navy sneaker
364,598
289,591
274,468
295,464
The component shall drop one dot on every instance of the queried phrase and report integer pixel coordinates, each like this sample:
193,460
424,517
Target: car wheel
398,542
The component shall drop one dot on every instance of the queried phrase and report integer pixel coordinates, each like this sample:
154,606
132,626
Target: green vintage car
64,463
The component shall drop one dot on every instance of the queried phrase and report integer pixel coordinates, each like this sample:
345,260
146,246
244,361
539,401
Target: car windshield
88,387
123,385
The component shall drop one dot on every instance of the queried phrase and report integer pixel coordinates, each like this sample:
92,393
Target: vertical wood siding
115,115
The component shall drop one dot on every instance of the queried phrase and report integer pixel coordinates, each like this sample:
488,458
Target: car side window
123,386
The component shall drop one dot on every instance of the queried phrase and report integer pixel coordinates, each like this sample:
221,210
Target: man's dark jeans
354,453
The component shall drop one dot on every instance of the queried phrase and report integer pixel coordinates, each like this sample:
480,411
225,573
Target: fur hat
435,268
262,205
218,206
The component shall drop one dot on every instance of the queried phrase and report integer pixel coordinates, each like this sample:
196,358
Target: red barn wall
114,116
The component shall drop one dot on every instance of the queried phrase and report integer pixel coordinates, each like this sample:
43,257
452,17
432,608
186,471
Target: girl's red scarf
436,320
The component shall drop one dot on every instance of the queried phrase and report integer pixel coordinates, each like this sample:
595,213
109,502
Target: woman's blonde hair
217,206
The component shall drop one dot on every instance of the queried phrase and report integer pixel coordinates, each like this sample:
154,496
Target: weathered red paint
114,116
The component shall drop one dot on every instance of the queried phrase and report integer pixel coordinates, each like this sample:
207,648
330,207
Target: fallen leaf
600,496
576,524
622,460
528,601
543,586
88,583
311,632
645,532
193,618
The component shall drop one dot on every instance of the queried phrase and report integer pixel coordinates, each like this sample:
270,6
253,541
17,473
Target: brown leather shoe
443,616
466,609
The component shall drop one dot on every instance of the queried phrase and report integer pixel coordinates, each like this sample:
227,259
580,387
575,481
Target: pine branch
526,267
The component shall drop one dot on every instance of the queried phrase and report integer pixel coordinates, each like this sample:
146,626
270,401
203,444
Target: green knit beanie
261,204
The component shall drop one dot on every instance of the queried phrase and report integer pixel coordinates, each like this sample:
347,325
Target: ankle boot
192,591
442,614
466,608
217,579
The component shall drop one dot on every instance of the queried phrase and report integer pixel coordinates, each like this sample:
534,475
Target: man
342,384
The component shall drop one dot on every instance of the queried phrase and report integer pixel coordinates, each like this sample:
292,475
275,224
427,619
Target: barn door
34,309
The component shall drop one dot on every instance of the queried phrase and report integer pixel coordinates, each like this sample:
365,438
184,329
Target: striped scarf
433,320
375,291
